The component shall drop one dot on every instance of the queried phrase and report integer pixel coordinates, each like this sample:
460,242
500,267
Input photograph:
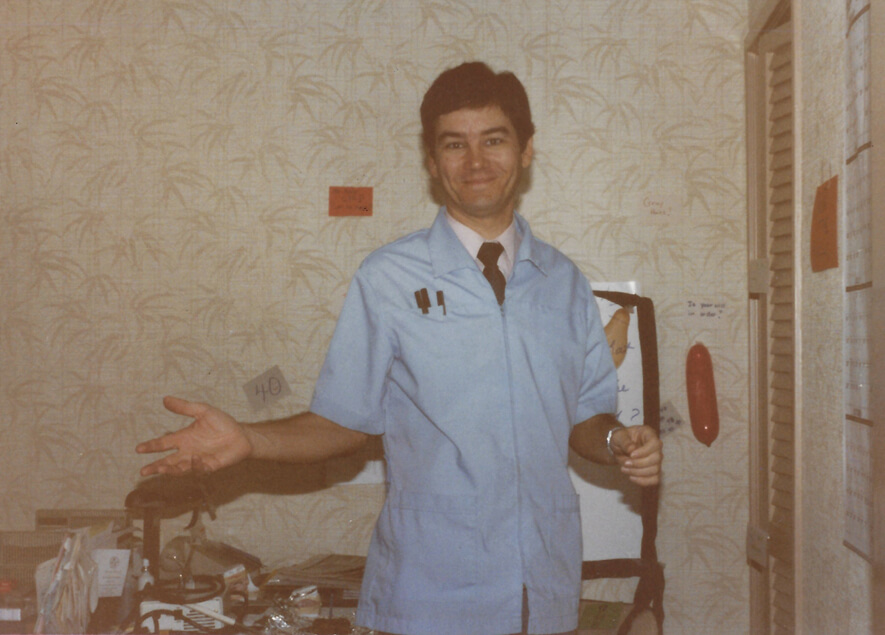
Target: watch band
608,440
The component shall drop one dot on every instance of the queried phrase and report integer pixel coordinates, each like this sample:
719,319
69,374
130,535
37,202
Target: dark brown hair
475,85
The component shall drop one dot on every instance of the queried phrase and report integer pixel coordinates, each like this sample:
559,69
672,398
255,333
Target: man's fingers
642,473
160,444
183,407
634,467
647,452
170,440
157,467
175,464
182,460
641,454
643,477
622,441
646,447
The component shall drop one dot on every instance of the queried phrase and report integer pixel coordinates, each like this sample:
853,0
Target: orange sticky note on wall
825,226
350,201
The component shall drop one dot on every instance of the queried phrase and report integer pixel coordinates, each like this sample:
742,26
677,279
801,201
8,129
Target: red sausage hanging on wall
702,408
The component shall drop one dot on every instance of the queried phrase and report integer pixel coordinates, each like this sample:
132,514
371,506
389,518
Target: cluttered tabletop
103,571
200,586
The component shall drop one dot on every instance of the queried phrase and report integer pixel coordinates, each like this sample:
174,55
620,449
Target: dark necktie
488,256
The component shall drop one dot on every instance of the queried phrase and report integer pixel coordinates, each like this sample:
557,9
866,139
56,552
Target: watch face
608,440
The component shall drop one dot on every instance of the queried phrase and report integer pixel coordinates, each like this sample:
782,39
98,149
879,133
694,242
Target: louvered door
781,332
771,536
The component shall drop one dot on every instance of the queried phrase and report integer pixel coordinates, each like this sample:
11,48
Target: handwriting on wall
705,313
267,388
659,208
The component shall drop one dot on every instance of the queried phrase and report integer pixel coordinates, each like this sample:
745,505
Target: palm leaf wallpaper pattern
164,173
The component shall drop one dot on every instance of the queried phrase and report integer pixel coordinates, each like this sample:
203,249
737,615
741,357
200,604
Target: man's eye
493,141
454,145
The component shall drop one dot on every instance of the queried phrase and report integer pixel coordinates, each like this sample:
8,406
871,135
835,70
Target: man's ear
528,153
430,162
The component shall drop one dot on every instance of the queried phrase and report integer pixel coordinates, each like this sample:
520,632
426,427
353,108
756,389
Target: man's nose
475,155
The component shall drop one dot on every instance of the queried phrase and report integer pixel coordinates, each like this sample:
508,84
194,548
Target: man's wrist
608,439
255,439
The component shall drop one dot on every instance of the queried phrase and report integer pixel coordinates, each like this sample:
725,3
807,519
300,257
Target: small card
825,226
267,388
670,418
350,201
113,565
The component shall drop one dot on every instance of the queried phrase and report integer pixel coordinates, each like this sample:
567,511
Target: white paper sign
113,565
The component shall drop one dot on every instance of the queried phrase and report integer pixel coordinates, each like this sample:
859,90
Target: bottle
127,598
145,579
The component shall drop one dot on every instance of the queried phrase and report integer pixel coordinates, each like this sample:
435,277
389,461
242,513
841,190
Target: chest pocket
441,357
550,343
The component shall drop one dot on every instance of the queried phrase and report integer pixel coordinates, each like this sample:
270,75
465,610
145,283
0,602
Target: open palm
213,440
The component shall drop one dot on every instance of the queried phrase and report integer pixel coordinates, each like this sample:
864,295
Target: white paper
113,565
858,487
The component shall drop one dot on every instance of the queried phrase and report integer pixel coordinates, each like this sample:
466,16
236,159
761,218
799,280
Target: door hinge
757,276
757,546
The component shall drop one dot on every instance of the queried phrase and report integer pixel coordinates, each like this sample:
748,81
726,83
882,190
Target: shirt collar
448,253
472,241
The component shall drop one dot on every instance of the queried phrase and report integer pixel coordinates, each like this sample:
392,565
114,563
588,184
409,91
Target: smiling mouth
479,181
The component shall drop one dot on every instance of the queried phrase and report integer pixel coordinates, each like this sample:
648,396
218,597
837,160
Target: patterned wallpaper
837,583
164,175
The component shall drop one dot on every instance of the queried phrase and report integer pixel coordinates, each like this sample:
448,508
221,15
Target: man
479,371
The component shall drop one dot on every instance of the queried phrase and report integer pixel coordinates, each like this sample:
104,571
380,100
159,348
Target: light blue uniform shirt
476,403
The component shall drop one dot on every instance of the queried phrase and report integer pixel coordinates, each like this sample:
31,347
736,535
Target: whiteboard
612,526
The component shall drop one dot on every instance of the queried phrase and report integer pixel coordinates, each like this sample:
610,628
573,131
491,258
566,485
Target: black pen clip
423,300
440,301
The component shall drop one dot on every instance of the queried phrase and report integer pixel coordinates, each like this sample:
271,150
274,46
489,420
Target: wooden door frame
877,318
757,328
770,13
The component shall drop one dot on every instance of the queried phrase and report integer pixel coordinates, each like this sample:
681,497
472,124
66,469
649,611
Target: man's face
478,164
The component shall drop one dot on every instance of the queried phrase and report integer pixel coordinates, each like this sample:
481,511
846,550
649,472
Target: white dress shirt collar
472,241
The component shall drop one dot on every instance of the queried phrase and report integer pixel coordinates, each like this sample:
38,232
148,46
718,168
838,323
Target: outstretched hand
213,440
638,450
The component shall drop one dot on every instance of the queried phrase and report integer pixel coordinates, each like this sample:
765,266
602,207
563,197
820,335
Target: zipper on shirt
516,453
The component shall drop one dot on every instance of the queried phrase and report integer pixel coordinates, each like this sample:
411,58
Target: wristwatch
608,439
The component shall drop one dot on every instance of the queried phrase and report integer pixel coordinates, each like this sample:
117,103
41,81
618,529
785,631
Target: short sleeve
352,383
599,386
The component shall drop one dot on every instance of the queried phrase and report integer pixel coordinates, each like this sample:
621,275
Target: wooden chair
649,594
